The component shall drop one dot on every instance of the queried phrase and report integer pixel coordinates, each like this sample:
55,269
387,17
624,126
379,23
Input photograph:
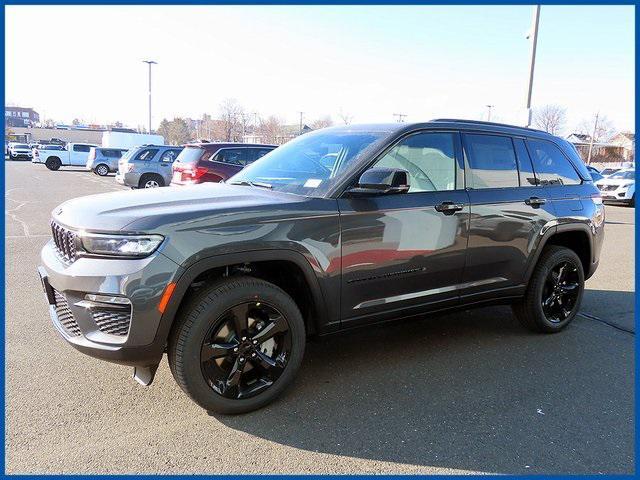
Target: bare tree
322,122
598,126
231,114
272,130
345,117
550,118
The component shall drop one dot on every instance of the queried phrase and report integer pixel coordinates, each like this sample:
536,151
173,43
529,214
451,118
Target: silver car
147,166
103,161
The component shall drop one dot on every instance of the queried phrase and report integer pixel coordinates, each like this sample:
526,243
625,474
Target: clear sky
368,61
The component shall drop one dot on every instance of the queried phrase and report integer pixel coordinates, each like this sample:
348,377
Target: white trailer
129,140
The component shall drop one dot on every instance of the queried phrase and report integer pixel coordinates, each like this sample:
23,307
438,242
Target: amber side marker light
166,296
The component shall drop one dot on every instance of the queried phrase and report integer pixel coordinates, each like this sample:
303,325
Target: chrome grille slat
65,316
65,242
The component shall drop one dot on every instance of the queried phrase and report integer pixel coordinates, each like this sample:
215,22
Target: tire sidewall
52,164
542,273
204,314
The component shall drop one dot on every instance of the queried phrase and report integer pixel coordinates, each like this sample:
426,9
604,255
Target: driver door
402,253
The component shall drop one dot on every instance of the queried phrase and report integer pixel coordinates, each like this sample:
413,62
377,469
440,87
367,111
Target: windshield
189,155
20,145
624,175
310,164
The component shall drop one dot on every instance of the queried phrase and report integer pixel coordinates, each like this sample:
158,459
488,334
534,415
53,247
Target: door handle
449,208
535,201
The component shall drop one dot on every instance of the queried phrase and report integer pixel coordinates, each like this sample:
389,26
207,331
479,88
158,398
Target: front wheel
237,345
554,293
53,163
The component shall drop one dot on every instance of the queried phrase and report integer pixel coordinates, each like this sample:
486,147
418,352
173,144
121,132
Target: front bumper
125,334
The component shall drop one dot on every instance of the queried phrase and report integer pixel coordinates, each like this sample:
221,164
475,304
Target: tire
150,180
203,314
530,310
632,202
53,163
102,170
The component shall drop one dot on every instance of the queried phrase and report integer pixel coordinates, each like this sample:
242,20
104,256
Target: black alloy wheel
560,292
246,350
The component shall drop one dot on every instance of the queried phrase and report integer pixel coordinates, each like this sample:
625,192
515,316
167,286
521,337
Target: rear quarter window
551,165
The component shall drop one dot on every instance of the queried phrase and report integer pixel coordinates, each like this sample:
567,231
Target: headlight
120,245
626,185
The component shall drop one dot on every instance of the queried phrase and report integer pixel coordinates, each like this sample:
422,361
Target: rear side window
256,153
550,164
81,148
232,156
109,153
169,156
146,154
492,161
527,175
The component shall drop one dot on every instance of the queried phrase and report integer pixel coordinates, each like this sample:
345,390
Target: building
601,152
627,141
20,117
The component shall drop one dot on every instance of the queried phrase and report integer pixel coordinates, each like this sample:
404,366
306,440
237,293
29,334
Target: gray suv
103,161
342,227
147,166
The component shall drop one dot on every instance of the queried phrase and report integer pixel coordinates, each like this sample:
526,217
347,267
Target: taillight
190,173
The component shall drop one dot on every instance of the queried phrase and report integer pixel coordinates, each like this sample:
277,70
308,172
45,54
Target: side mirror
381,181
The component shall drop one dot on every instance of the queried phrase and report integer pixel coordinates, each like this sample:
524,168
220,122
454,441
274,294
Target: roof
630,135
583,137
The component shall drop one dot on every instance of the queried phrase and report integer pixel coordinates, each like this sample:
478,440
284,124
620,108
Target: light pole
301,114
533,35
400,117
489,107
149,62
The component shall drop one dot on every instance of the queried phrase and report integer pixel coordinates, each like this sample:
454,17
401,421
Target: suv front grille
65,242
115,322
608,188
65,317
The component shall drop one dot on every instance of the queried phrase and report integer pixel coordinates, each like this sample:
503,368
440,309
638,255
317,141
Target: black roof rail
481,122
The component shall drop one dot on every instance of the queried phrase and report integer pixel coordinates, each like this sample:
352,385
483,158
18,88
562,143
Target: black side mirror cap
381,181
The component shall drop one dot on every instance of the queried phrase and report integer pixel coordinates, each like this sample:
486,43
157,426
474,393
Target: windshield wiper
252,184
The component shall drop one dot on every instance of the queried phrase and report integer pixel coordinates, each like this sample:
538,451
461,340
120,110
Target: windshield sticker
312,183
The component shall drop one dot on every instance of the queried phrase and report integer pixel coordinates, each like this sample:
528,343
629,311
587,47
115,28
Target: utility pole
149,62
400,116
301,114
489,112
533,36
593,135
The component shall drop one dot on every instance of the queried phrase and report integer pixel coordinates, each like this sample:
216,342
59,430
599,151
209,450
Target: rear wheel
102,170
53,163
554,293
150,180
237,345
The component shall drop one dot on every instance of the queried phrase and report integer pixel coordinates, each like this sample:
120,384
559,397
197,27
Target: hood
615,181
150,209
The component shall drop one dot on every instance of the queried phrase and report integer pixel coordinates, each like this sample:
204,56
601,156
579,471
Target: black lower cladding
246,350
560,292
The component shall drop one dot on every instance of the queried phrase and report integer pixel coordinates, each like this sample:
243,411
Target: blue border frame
296,2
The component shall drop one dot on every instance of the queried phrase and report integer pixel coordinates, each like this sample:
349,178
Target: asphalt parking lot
465,392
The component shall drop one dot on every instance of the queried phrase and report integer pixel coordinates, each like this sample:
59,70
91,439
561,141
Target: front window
309,165
20,145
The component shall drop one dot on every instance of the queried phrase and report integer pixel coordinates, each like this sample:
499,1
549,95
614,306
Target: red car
214,162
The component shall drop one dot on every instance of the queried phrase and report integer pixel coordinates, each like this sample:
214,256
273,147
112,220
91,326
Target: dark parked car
341,227
215,162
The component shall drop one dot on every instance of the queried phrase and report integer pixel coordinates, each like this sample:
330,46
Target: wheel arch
218,266
574,236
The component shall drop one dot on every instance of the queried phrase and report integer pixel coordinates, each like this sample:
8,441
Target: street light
533,35
149,62
489,107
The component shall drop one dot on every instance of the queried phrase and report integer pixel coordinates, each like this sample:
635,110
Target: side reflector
166,296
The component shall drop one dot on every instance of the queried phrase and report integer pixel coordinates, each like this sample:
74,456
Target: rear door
79,154
508,211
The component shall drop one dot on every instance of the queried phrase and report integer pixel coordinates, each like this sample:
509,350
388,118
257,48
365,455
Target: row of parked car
152,166
616,184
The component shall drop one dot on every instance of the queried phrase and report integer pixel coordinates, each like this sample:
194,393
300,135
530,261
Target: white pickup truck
74,154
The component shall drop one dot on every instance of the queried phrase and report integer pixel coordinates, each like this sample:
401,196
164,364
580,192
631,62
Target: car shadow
471,390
